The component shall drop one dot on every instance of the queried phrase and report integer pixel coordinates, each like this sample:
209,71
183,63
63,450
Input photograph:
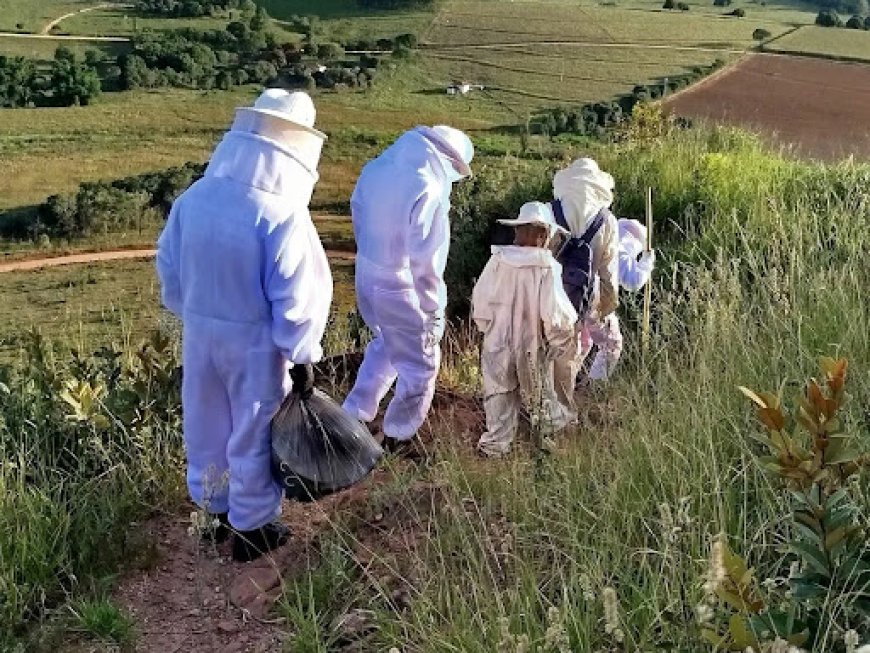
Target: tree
73,83
63,53
867,23
262,72
722,3
855,22
761,34
260,20
407,40
828,18
669,4
329,51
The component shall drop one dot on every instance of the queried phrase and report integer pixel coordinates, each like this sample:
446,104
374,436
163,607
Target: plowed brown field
821,108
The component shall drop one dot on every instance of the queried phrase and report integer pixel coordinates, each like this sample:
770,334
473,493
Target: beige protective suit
584,190
528,322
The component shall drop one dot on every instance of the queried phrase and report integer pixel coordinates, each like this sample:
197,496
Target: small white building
462,88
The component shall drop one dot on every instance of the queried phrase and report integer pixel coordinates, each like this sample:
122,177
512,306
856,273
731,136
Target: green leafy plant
829,583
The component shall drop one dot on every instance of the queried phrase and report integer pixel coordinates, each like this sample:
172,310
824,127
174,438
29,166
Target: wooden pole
647,296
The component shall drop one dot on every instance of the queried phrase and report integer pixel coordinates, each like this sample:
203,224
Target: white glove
647,259
435,325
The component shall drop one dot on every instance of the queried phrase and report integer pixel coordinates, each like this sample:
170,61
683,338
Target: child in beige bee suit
527,321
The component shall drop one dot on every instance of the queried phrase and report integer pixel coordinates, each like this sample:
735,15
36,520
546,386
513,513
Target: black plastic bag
318,449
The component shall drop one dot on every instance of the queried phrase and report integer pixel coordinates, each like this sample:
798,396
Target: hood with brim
261,163
584,190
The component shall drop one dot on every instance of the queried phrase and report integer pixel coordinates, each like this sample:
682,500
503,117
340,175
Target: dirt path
98,257
73,259
66,37
57,21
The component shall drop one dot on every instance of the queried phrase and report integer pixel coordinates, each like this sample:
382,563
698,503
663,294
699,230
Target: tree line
596,118
246,52
67,81
191,8
830,18
106,207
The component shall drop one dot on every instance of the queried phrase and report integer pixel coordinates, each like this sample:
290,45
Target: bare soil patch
820,108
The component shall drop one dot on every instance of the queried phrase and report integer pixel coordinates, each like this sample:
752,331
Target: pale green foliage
102,620
86,446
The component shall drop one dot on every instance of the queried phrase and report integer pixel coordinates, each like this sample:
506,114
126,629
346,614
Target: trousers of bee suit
402,349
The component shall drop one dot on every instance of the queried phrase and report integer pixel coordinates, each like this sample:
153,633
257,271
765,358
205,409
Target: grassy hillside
755,281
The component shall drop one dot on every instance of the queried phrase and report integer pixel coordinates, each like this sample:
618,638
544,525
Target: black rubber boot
250,545
411,449
218,534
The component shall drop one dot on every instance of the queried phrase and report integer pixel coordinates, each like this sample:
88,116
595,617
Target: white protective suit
635,269
400,216
584,190
528,321
242,265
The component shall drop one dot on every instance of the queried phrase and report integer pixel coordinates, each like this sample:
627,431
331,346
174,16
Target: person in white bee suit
635,269
241,264
400,212
585,193
528,322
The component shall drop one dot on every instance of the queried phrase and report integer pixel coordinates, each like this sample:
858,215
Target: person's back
585,192
389,191
230,228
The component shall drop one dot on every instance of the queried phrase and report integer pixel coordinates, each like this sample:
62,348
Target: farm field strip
473,23
42,48
752,93
824,42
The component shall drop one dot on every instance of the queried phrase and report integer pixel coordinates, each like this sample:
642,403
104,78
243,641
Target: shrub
669,4
330,51
737,13
761,34
827,18
855,22
867,23
682,6
722,3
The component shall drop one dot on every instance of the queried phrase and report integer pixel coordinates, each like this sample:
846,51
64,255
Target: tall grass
773,274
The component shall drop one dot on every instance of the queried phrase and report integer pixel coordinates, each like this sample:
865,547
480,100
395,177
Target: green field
124,22
572,53
481,22
828,42
43,49
33,15
49,151
88,306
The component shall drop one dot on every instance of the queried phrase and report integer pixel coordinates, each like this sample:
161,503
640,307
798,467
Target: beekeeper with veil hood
400,217
241,264
583,194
